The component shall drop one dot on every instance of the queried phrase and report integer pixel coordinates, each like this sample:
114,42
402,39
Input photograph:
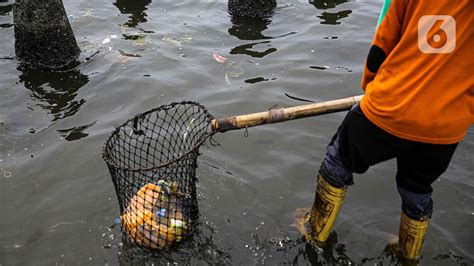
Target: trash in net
152,159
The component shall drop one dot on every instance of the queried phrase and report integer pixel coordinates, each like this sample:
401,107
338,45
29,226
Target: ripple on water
55,91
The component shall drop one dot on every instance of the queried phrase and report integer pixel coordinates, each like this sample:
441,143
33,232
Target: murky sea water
57,201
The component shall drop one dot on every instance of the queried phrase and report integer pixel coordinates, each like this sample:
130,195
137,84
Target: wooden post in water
43,35
251,8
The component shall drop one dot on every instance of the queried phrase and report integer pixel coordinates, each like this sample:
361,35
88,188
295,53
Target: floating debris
129,54
139,42
298,98
188,128
219,58
145,31
186,38
137,38
64,223
7,173
171,39
255,80
109,39
344,68
117,57
88,12
320,67
71,18
235,70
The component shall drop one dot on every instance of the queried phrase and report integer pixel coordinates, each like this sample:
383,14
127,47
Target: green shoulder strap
386,5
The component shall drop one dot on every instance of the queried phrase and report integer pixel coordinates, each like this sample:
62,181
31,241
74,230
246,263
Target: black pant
359,144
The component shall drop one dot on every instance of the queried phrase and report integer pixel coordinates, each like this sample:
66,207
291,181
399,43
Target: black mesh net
152,159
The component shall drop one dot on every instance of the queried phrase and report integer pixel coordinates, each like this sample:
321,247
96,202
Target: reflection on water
55,91
5,9
390,256
333,18
450,256
199,248
326,4
136,9
332,253
75,133
330,18
250,29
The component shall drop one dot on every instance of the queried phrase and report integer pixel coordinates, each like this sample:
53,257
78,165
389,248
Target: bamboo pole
283,114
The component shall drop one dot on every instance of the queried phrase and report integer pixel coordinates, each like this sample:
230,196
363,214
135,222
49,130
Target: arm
386,5
386,37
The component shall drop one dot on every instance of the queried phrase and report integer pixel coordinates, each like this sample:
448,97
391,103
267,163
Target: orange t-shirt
419,74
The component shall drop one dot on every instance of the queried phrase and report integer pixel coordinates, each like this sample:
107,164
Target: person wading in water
418,104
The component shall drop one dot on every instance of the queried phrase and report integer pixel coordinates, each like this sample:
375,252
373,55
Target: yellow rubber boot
317,224
411,236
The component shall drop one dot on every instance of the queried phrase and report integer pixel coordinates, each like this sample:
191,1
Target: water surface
57,201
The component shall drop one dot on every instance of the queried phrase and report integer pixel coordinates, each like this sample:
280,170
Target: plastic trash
154,217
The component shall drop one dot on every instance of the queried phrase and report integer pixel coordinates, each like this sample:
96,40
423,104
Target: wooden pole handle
283,114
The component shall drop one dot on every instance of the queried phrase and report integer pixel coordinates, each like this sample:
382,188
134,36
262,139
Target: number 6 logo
436,34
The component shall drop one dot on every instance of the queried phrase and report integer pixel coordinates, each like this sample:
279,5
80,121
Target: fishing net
152,159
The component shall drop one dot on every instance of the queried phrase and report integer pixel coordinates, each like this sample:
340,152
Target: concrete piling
43,35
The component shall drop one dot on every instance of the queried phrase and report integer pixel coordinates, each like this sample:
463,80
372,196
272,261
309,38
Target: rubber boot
318,224
411,236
